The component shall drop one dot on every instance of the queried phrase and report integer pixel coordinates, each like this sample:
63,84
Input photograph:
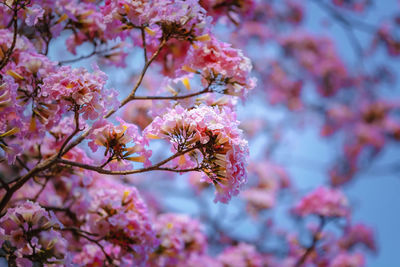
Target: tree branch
316,238
156,167
206,90
10,50
139,81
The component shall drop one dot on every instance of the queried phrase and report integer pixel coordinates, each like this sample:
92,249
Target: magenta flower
32,231
121,142
323,202
345,259
226,68
236,11
241,255
358,234
33,14
78,87
219,149
119,216
180,238
271,178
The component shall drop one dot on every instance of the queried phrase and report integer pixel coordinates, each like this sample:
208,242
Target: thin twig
41,190
171,97
139,81
360,25
144,44
97,242
23,179
76,130
94,52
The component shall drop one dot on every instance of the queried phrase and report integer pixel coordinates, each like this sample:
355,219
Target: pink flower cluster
235,11
215,140
29,233
184,20
358,234
369,125
180,238
88,22
116,11
319,58
224,67
77,87
271,179
35,94
324,202
354,5
281,88
346,259
121,142
118,215
21,101
241,255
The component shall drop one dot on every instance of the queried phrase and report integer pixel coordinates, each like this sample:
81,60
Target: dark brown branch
316,238
156,167
347,26
97,242
41,190
22,164
66,210
94,52
360,25
171,97
23,179
10,50
144,44
4,185
76,130
139,81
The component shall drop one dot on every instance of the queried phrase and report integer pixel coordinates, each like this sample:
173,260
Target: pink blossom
29,227
118,214
89,21
184,20
224,67
358,234
216,141
79,87
121,143
138,113
91,255
323,202
346,259
319,57
236,11
281,88
33,14
180,238
271,178
241,255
